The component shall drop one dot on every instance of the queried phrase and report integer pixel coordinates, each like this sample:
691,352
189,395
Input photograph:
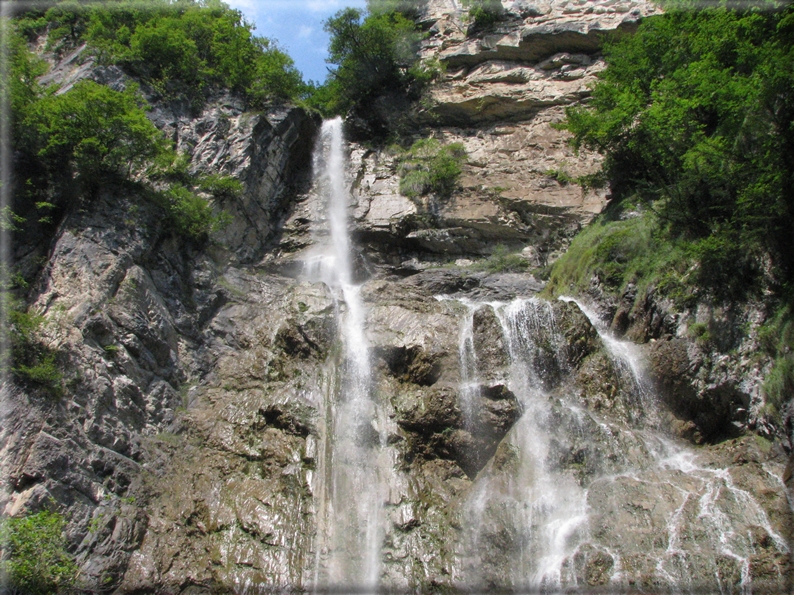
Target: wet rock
439,427
712,409
444,282
489,346
581,338
412,364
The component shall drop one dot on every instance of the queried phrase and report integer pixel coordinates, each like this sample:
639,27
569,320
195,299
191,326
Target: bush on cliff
93,131
695,117
34,558
484,13
33,362
430,167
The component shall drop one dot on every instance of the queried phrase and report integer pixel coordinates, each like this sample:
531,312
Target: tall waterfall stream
528,522
352,517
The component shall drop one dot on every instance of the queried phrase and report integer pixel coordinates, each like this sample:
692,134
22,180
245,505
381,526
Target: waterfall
469,386
545,511
530,526
711,504
349,548
628,362
573,498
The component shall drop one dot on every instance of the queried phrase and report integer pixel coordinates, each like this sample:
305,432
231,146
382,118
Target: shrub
34,557
485,12
430,167
411,9
190,215
94,131
776,338
779,384
220,185
32,362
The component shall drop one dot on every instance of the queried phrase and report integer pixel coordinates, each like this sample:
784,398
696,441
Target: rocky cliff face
514,446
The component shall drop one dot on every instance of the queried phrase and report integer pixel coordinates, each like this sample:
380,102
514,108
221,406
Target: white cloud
305,32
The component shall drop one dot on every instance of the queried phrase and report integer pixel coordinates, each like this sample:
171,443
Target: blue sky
297,25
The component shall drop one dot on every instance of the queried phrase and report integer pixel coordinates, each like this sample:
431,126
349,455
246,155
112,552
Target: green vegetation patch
503,261
32,362
72,144
484,13
430,167
189,214
34,556
617,253
776,337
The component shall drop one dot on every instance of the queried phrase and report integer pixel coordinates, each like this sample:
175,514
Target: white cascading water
627,360
469,385
521,528
547,510
351,531
707,494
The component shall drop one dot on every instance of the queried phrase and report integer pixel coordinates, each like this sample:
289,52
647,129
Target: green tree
694,116
93,131
163,53
34,558
375,55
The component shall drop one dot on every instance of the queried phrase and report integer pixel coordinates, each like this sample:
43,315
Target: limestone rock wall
130,310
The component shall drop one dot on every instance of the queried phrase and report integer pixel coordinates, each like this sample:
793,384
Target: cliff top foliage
68,145
181,48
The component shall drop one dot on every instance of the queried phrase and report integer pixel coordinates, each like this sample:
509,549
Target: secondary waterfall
535,525
352,516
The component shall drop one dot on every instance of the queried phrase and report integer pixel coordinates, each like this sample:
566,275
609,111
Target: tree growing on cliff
695,116
377,72
94,131
373,55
